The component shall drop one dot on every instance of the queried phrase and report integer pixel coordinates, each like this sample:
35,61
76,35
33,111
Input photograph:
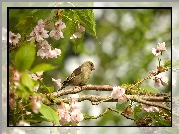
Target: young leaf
27,81
49,114
86,18
150,89
25,57
122,107
167,64
42,67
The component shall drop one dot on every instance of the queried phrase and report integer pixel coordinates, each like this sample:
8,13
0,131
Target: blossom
28,113
36,88
150,108
164,80
45,45
58,82
156,52
161,47
117,92
42,53
22,123
60,25
75,97
40,33
56,34
64,116
17,76
41,23
153,73
35,106
157,82
76,35
74,105
81,28
76,115
39,74
122,99
14,38
161,79
53,53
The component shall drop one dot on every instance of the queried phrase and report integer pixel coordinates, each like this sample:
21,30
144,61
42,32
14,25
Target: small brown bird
80,75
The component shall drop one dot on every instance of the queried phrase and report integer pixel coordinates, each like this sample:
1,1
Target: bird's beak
93,69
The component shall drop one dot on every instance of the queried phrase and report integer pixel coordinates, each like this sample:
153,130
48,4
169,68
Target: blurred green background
121,54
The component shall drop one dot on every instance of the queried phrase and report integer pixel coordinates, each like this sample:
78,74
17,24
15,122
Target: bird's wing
76,72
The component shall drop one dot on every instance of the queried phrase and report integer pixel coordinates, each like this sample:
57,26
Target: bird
80,75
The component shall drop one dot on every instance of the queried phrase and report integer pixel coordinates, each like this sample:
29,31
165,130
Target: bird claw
77,87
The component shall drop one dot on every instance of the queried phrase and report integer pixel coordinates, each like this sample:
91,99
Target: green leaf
27,81
23,92
136,110
167,64
22,25
49,114
86,18
29,19
25,57
87,117
163,123
122,107
50,89
140,115
149,89
78,42
42,67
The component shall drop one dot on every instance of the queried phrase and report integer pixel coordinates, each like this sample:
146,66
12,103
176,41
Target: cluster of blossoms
57,34
119,93
78,33
39,33
36,76
158,78
160,48
70,112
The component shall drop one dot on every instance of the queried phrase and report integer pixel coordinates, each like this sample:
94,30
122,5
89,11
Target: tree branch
95,99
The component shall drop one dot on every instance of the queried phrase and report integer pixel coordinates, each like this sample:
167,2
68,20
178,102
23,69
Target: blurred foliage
124,55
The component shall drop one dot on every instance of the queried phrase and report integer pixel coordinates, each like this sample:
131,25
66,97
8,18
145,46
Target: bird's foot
77,86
